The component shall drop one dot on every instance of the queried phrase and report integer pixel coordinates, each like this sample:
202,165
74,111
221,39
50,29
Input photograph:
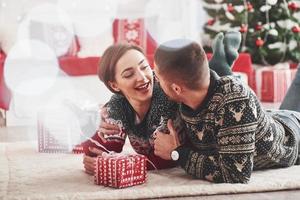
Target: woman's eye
127,75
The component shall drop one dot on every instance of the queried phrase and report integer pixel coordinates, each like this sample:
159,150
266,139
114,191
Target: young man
229,132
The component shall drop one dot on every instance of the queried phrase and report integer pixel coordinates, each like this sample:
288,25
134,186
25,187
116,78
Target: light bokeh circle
31,67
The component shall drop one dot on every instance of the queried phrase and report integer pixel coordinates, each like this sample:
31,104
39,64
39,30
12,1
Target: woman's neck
141,108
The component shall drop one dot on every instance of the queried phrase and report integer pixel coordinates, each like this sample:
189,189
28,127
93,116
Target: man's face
166,85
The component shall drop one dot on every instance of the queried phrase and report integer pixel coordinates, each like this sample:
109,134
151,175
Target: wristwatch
174,155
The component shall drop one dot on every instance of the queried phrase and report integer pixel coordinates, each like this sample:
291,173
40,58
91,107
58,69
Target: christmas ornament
243,28
259,42
230,8
210,22
296,29
258,26
249,7
265,25
293,6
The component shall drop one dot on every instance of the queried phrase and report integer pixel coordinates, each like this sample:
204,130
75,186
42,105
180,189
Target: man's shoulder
230,85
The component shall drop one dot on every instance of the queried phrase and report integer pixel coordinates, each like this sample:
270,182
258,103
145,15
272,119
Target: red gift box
120,171
273,83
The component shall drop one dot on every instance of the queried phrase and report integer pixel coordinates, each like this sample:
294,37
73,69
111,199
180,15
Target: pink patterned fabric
131,31
135,32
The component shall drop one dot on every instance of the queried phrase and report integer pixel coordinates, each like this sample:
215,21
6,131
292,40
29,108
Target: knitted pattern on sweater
230,134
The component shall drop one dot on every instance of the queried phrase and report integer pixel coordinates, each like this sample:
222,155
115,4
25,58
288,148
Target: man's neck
195,98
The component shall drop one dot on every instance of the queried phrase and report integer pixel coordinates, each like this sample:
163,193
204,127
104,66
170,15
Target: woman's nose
141,75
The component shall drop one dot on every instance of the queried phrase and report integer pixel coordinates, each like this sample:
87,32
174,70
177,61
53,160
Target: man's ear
176,88
114,86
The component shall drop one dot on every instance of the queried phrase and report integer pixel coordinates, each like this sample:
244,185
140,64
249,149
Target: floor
13,134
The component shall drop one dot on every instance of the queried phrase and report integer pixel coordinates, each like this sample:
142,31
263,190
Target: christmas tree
270,28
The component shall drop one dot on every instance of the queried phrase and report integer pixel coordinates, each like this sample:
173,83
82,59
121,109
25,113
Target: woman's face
134,77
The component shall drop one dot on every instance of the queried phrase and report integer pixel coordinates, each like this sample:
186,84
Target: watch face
174,155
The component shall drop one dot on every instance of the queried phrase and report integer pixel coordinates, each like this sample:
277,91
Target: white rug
27,174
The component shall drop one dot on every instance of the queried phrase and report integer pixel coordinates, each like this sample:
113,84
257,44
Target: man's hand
164,143
89,163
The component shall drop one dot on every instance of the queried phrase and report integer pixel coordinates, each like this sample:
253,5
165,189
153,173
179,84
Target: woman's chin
144,95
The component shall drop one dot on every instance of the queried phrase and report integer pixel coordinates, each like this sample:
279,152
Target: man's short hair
182,60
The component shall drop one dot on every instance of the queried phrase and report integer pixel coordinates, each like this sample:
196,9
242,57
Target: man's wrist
174,155
183,153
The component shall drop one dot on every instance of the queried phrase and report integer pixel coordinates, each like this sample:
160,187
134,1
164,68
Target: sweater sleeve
116,108
232,161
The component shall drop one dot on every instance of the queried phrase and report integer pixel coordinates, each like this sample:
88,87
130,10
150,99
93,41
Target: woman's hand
106,129
89,163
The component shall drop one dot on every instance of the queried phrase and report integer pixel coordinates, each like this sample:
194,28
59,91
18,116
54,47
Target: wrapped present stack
273,82
120,171
58,132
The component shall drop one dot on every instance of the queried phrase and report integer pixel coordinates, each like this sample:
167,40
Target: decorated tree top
270,28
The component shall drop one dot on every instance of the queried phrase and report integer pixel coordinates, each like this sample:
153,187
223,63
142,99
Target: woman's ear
114,86
176,88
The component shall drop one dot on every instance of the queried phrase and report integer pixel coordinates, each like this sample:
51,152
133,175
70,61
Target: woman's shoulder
118,107
159,96
161,101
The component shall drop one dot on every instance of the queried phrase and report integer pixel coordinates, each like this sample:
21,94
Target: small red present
273,83
120,171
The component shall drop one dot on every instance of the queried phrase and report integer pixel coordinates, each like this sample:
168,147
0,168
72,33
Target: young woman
139,106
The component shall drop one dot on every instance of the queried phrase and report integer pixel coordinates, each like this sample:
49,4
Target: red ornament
243,28
293,6
259,42
230,8
258,26
210,22
296,29
249,7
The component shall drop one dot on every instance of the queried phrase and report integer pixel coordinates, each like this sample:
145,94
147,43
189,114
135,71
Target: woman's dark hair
107,66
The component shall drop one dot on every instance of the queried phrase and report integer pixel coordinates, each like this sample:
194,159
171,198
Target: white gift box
62,129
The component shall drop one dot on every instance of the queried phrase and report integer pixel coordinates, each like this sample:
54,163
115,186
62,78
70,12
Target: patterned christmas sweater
141,133
231,135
